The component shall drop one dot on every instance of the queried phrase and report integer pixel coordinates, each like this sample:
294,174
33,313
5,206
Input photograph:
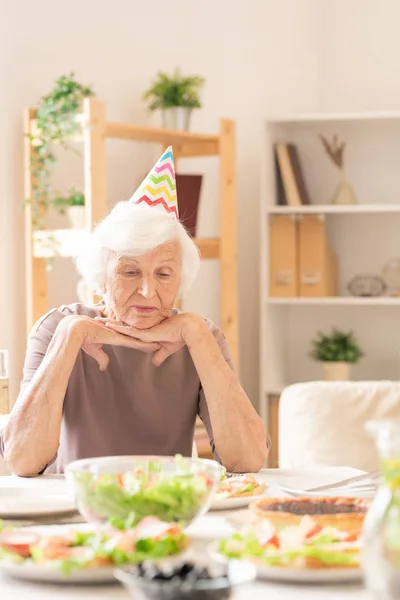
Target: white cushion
322,423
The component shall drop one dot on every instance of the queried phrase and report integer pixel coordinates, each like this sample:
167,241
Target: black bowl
197,582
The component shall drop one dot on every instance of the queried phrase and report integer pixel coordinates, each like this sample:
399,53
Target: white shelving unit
364,237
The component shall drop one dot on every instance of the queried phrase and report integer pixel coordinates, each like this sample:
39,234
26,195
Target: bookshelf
364,237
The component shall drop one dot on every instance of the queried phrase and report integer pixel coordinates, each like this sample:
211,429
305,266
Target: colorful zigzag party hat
158,189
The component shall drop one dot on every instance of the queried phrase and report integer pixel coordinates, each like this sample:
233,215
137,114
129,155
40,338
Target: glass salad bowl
122,490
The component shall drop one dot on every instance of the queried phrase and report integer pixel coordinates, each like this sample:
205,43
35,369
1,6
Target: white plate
366,492
49,575
305,478
295,575
17,502
32,572
232,503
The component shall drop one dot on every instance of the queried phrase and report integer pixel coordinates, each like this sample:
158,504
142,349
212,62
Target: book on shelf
291,186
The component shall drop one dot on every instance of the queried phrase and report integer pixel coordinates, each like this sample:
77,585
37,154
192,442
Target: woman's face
141,290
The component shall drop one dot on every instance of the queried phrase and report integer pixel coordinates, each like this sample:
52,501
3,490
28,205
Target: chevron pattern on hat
158,189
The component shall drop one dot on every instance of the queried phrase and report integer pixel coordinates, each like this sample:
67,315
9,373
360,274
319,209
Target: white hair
132,230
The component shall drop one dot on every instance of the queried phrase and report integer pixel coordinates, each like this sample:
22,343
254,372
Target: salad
125,499
239,487
150,539
307,545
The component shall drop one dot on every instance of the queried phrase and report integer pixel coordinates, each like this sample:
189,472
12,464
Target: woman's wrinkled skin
151,280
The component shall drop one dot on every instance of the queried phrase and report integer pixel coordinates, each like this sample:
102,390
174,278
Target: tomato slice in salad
353,536
316,529
18,542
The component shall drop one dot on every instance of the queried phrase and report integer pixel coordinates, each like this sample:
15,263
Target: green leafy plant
336,347
176,90
56,122
73,198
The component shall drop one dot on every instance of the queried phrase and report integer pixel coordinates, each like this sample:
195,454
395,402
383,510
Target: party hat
158,189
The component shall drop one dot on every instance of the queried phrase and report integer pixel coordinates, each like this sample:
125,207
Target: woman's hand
171,334
95,334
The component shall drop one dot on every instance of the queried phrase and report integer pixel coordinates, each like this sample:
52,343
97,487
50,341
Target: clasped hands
161,341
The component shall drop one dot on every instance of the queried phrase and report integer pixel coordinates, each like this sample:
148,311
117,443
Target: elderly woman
130,374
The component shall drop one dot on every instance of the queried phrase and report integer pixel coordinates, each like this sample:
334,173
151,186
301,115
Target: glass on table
381,535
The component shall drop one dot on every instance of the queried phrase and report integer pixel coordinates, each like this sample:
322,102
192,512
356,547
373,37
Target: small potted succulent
176,96
73,205
337,352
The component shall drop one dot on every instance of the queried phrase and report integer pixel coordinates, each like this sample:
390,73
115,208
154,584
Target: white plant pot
176,117
336,371
76,216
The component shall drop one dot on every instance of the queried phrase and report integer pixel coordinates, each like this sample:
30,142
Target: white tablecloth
206,529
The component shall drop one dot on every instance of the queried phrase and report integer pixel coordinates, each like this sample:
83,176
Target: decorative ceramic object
76,216
336,371
366,286
344,193
391,276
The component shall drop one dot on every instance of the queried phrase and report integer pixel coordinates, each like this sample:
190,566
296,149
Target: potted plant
56,122
337,352
176,96
73,205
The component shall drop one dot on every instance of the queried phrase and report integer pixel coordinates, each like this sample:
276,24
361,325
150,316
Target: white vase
336,371
344,194
76,216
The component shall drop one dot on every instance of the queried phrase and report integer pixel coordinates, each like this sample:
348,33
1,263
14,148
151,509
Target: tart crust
346,514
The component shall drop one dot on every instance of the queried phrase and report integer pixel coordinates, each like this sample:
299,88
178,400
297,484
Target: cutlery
374,475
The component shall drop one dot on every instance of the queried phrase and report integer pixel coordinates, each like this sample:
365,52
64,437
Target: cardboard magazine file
317,261
283,257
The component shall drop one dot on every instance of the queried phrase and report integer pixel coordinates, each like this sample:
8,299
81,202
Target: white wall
258,56
359,50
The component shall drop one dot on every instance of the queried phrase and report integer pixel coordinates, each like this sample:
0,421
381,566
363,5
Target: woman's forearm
239,434
31,437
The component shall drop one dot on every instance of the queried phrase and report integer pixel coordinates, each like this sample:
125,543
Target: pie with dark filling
341,512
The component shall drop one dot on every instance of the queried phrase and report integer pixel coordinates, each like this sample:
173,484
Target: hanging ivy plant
56,123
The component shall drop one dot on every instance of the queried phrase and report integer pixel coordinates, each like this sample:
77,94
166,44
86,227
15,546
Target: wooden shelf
336,301
50,243
335,117
185,143
332,209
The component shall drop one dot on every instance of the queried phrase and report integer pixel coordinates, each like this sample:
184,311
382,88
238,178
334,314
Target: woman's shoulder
48,322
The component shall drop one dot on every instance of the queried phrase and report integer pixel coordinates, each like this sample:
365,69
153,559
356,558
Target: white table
209,527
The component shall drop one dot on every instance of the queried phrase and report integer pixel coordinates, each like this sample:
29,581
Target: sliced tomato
274,541
152,527
352,536
119,480
18,542
316,529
